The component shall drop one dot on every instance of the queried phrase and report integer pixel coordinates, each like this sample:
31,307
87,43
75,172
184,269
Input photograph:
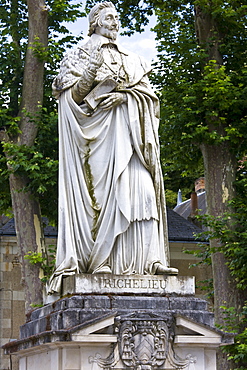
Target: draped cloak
111,196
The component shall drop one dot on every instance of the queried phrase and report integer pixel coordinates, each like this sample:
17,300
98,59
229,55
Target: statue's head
103,20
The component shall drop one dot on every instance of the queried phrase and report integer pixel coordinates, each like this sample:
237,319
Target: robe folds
111,196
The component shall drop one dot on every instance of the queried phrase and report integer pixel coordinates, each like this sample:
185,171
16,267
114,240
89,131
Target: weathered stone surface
33,327
102,332
110,183
43,311
128,284
72,311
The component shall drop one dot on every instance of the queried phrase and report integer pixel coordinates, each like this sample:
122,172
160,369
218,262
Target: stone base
104,331
130,284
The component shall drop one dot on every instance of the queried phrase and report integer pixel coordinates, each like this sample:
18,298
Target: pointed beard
110,34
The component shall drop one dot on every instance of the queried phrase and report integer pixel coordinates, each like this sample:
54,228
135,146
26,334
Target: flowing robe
111,196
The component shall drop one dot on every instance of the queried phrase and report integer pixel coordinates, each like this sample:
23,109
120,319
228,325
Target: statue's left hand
111,100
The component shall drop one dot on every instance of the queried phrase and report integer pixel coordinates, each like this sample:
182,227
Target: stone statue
112,216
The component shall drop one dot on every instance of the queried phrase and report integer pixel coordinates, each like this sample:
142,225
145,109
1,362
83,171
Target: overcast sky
142,44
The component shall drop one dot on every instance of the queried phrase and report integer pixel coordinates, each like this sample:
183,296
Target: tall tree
203,77
28,114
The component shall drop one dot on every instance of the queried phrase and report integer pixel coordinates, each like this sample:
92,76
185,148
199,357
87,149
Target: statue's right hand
96,58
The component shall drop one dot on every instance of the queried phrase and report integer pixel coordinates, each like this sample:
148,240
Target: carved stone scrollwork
106,363
180,364
144,343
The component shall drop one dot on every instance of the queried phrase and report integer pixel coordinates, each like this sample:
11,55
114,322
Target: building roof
9,229
179,229
184,208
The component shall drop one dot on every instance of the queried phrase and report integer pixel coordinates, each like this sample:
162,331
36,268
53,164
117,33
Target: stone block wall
12,304
12,300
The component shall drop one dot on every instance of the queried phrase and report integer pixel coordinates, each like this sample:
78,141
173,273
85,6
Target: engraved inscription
133,283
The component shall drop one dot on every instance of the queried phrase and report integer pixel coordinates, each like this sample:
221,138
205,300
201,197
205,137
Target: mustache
113,28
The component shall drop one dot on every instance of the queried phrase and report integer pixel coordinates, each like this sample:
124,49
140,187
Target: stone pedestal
129,284
121,324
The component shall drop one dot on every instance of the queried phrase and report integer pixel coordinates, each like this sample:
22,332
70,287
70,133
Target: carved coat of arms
143,343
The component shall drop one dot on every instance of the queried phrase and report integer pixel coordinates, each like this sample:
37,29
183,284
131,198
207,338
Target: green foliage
203,253
38,163
230,230
39,50
207,287
46,261
34,257
200,101
25,160
238,351
210,110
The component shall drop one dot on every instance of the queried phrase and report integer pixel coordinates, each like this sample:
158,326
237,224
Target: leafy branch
45,260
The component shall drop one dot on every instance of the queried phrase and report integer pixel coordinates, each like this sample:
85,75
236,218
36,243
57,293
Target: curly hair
93,16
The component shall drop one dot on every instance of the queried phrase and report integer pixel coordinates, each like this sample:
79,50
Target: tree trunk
32,91
25,206
220,174
220,170
29,237
16,61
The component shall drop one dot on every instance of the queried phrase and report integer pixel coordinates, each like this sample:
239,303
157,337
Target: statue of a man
112,216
